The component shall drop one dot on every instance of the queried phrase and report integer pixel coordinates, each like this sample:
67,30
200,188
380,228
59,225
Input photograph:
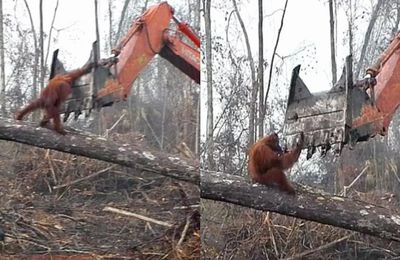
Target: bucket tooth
310,151
56,65
298,90
66,116
77,114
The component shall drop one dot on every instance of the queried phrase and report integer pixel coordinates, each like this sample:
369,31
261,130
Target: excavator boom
112,79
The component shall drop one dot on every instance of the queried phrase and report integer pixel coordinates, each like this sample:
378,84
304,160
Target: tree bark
210,113
333,51
367,37
260,70
130,155
50,32
2,65
396,23
110,24
271,66
306,204
253,100
35,66
41,47
121,20
96,17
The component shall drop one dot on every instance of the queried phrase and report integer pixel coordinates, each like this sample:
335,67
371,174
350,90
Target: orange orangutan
267,162
53,96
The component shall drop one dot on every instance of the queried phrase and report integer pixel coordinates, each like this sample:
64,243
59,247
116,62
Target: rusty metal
325,117
348,113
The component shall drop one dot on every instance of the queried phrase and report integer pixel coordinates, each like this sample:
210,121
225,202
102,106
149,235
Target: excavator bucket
84,89
325,118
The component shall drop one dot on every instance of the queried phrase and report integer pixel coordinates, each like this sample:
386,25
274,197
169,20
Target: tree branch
273,58
92,146
307,204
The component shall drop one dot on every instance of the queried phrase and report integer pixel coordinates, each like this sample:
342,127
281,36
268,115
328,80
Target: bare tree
2,76
42,65
332,33
210,114
397,21
260,69
102,125
253,99
50,33
271,66
367,36
121,20
35,66
96,17
110,24
196,100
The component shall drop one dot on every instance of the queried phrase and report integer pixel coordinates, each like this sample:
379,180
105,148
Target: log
92,146
307,204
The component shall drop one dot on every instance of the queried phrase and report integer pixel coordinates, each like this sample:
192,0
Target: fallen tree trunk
92,146
306,204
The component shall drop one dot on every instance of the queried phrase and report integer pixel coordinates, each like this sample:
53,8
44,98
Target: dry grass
70,222
234,232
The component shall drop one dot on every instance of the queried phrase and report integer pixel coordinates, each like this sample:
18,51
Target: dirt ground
234,232
49,207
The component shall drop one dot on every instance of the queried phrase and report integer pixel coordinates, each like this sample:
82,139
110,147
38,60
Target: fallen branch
107,132
346,188
131,214
130,155
184,231
83,178
307,204
323,247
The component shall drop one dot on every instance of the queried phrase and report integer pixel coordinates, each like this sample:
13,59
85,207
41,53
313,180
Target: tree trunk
260,70
271,66
50,32
130,155
2,65
323,208
102,124
41,47
121,20
367,36
96,17
253,100
196,95
332,33
36,62
110,24
350,28
396,23
210,113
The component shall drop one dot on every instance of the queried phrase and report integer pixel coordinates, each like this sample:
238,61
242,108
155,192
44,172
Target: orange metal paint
369,114
386,91
191,55
144,40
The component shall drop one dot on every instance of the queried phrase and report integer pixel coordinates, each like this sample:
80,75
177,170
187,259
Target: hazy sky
306,26
76,21
305,31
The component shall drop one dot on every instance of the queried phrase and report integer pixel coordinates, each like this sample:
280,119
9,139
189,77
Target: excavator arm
112,79
350,112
